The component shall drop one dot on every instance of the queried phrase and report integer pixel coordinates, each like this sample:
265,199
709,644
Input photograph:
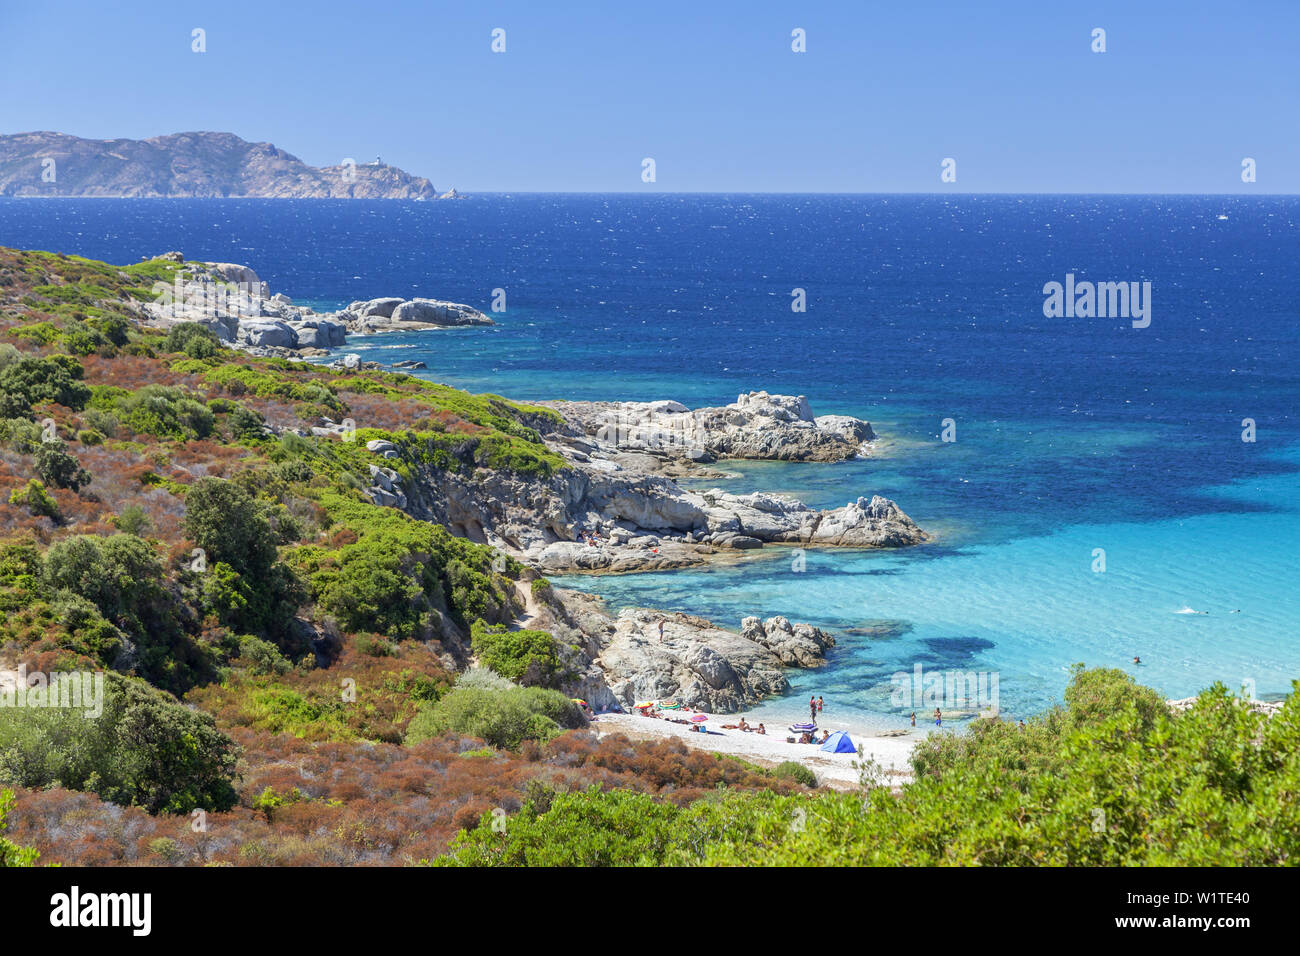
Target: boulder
383,308
437,312
277,334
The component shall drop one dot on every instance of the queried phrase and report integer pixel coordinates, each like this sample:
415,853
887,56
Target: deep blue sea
1072,434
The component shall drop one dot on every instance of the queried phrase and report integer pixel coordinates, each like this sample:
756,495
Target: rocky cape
610,508
618,660
239,307
604,512
756,425
188,165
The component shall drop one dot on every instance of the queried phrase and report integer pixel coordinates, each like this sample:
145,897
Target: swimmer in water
1137,660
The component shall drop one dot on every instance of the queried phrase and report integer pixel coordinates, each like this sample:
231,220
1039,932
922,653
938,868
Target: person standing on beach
661,630
913,718
938,717
812,709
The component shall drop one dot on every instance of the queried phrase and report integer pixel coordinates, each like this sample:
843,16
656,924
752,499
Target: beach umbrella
699,718
644,705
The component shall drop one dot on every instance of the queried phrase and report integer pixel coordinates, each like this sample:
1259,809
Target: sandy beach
832,770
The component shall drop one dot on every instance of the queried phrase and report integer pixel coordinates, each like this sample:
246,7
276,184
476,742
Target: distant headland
190,165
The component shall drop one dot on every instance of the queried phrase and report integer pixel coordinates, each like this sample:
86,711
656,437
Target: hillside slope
187,165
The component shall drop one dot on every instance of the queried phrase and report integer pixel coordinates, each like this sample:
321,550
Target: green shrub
541,590
617,828
21,434
792,770
36,499
145,750
133,520
123,577
54,466
162,411
196,341
503,718
31,381
262,657
399,574
256,593
525,657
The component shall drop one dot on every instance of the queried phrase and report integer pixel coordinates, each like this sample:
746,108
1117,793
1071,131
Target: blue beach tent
839,743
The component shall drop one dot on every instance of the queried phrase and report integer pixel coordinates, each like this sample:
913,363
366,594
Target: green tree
31,381
145,749
55,466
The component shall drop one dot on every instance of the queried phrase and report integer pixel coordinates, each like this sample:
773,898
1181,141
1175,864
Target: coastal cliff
200,165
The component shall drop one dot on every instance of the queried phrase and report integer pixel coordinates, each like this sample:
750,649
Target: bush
617,828
503,718
102,421
196,341
254,592
145,750
21,434
525,657
31,381
36,499
123,577
164,412
133,520
393,575
54,466
262,657
792,770
483,679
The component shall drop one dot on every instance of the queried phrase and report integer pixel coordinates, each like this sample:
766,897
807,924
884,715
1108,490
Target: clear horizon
581,95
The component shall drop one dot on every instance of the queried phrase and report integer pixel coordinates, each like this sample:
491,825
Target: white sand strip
834,770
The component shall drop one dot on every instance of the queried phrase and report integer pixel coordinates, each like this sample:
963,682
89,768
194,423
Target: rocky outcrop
397,315
598,516
698,664
795,645
620,659
757,425
185,165
231,300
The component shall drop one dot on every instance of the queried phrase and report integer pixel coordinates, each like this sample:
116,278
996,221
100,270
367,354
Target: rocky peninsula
200,165
610,503
240,308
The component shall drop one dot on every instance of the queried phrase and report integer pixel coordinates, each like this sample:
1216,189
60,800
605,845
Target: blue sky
710,89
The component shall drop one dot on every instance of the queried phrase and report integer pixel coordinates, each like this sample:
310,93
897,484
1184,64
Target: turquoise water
1072,435
1025,609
